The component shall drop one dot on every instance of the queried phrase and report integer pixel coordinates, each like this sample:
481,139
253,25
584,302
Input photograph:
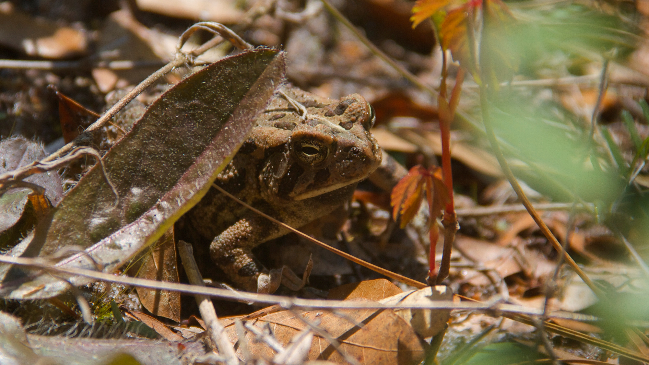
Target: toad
301,161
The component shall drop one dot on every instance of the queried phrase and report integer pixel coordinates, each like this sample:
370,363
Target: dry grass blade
347,256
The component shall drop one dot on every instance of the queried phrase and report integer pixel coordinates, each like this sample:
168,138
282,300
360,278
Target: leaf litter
488,268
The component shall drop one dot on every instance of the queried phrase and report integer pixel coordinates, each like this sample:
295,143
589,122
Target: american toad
301,161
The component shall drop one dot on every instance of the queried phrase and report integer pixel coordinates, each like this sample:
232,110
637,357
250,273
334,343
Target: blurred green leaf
503,353
565,34
556,153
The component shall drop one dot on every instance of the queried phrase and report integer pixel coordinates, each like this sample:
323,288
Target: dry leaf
221,11
384,338
368,289
426,322
160,264
74,117
159,327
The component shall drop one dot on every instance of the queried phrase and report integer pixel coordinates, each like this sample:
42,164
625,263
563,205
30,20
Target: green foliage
571,34
503,353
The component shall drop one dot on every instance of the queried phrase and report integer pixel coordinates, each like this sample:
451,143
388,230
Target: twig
603,83
216,28
76,65
15,176
639,260
265,337
179,60
543,338
205,306
285,302
504,165
485,89
516,208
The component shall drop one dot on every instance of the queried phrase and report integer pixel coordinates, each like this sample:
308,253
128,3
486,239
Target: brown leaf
382,337
398,104
369,289
159,327
21,207
18,152
407,195
222,11
160,264
426,322
74,117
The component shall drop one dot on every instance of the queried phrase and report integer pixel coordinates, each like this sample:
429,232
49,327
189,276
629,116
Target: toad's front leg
232,252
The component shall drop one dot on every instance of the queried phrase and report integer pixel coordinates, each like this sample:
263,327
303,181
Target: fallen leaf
390,141
381,336
368,289
21,208
74,117
426,322
17,152
222,11
160,264
469,154
398,104
124,38
159,327
385,336
18,347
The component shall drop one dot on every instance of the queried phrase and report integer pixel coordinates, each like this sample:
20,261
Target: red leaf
438,191
456,36
407,195
424,9
74,117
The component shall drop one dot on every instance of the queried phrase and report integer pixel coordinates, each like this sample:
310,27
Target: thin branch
600,96
76,65
517,208
492,306
205,306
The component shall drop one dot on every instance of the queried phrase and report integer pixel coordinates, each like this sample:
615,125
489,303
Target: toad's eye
369,123
310,151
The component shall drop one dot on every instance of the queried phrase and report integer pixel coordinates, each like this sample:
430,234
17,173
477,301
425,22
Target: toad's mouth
325,189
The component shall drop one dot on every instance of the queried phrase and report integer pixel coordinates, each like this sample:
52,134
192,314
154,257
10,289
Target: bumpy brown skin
293,168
